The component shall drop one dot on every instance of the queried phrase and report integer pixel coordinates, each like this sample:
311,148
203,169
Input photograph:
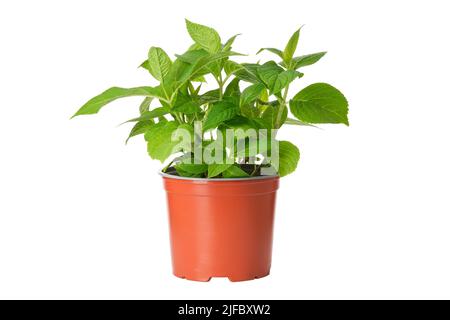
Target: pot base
232,278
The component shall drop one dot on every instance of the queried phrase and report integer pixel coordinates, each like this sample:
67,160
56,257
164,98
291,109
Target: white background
366,215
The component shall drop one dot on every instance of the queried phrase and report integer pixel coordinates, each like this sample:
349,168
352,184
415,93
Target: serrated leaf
240,122
204,36
182,71
251,93
283,79
231,67
95,104
274,77
160,144
248,72
219,112
307,60
178,73
192,56
232,89
210,96
291,46
212,58
215,169
159,63
320,103
268,73
140,128
270,115
189,107
289,155
248,141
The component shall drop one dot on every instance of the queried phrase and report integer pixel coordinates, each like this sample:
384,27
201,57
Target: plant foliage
246,96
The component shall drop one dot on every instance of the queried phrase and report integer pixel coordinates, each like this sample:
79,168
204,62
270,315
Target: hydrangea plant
212,117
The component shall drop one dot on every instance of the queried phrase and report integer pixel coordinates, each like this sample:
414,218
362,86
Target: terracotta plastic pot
221,227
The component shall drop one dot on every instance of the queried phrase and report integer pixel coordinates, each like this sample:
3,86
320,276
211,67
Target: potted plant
223,159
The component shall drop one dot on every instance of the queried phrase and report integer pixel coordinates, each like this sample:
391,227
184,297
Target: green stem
282,106
178,117
168,166
220,83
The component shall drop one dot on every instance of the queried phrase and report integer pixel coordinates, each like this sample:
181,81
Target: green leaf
159,63
248,72
291,46
275,77
182,71
240,122
160,144
232,88
216,169
210,96
178,74
199,79
270,114
307,60
204,36
251,93
150,115
234,172
320,103
219,112
145,65
229,43
145,105
192,168
95,104
186,174
268,72
192,56
189,107
210,59
139,128
283,79
248,140
298,123
273,50
289,155
231,67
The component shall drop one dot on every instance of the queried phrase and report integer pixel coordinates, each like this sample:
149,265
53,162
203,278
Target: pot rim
170,176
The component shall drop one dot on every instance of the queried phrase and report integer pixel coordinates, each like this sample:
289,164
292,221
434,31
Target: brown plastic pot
221,227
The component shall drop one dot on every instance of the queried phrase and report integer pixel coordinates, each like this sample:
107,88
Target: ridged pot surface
221,227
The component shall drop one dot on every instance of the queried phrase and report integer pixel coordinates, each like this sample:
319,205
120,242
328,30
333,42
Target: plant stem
167,167
178,117
220,83
255,169
282,106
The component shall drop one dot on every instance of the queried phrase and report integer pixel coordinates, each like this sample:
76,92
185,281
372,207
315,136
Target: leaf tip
76,114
